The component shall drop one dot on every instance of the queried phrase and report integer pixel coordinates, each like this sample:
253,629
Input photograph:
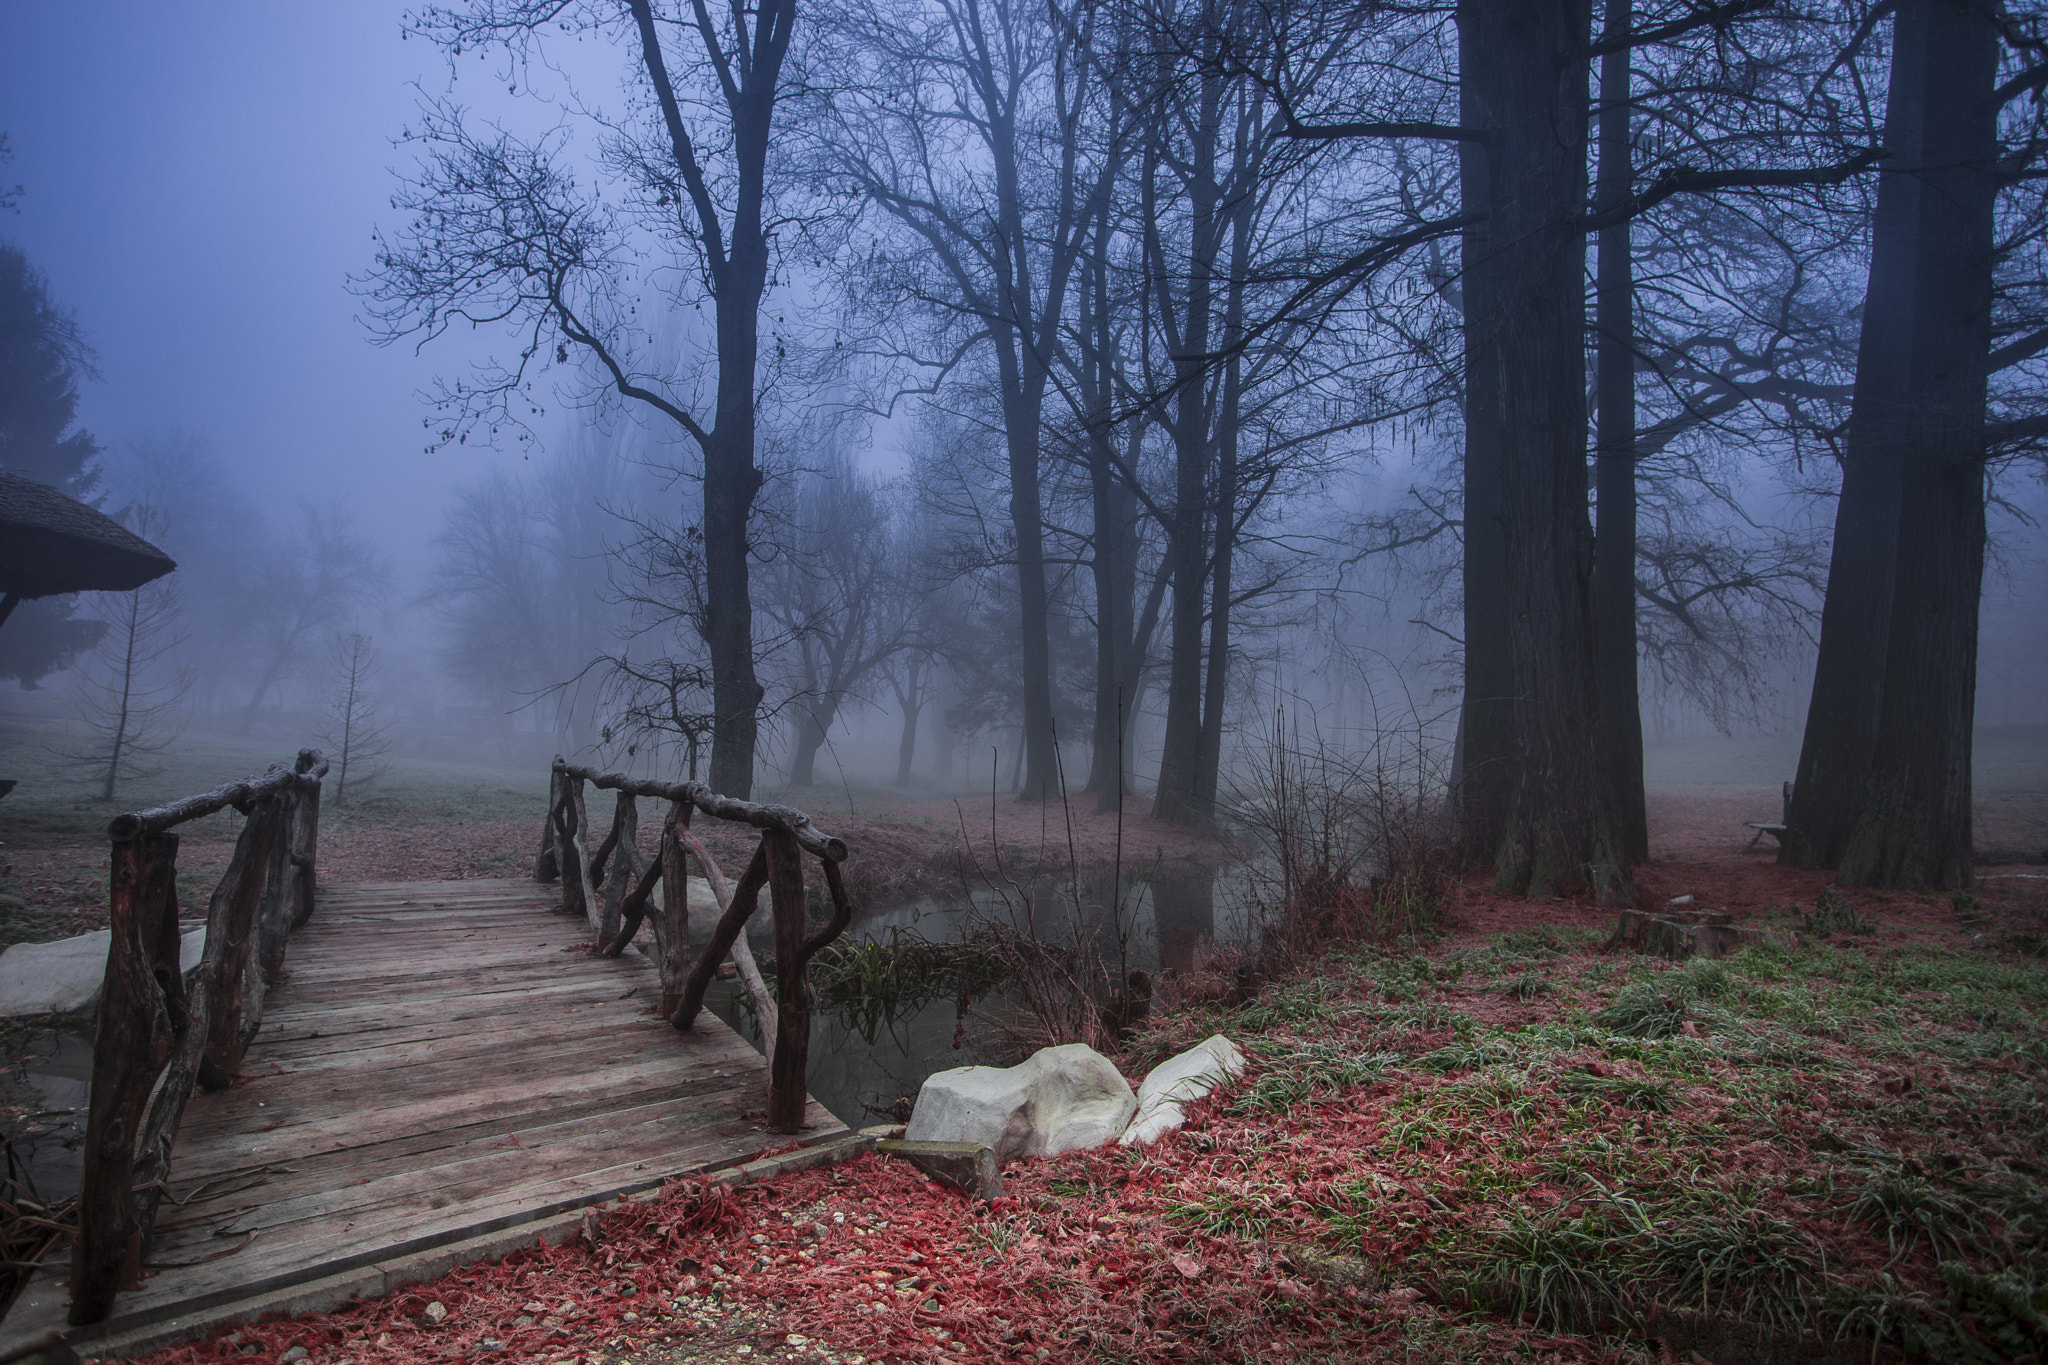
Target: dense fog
1108,364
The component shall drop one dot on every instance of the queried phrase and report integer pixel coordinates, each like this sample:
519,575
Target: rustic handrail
785,818
612,890
155,1035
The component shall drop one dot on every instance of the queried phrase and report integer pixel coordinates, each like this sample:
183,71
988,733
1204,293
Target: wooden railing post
731,925
306,837
232,921
672,925
618,864
133,1035
579,853
153,1039
788,1067
274,910
546,867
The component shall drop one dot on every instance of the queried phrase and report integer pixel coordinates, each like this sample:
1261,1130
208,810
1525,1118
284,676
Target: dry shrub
1356,845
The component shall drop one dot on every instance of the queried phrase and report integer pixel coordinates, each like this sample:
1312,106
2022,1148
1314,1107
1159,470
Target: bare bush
1356,845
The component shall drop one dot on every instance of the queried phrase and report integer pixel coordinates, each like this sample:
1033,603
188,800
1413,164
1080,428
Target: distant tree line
1150,279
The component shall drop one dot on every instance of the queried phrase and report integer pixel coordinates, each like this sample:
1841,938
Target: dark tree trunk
1614,548
1023,399
738,275
906,747
1114,563
1216,686
1527,79
1116,689
814,724
1179,793
1919,406
1913,829
1486,719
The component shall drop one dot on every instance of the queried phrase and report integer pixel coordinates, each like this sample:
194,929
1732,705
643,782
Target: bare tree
355,733
835,592
962,122
129,692
300,586
503,232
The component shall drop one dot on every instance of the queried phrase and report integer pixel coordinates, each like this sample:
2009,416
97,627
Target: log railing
157,1035
611,888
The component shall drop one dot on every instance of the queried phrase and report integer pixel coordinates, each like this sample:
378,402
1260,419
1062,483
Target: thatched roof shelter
51,544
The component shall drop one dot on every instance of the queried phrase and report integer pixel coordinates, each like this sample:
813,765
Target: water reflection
867,1062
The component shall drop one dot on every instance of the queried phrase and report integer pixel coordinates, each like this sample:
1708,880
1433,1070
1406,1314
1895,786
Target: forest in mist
1079,398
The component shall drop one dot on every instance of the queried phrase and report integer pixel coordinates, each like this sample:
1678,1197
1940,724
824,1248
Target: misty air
966,682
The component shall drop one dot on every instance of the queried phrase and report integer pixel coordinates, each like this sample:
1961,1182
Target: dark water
1151,926
44,1085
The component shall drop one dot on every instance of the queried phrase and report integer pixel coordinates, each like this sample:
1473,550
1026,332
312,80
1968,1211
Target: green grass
1598,1165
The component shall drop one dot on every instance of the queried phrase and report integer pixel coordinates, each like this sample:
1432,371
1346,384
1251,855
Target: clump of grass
2002,1316
1304,1074
1527,986
1832,912
1584,1268
877,981
1540,941
1643,1011
1630,1092
1429,1014
1233,1213
1468,1054
1912,1210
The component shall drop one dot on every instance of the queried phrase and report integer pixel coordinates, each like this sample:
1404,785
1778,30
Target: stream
864,1081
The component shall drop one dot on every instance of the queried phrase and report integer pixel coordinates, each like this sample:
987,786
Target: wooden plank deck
444,1060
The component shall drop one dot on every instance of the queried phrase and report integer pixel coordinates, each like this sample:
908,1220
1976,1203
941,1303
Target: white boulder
64,977
1180,1081
1059,1100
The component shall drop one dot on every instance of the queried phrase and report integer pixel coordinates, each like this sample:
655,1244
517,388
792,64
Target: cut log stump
1677,932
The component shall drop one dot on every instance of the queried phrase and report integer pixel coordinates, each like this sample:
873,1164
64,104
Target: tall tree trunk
1614,548
814,723
1913,827
1523,65
1216,687
911,698
730,483
1021,415
1486,716
739,278
1178,798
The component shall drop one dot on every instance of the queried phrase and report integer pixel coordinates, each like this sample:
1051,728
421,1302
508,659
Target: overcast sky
201,178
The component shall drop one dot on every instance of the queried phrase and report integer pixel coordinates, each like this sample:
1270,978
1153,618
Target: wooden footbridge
439,1060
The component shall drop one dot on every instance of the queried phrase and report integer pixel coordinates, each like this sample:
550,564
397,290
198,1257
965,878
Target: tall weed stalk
1356,843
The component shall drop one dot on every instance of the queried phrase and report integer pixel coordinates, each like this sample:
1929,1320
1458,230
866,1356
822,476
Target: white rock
1179,1081
64,977
1059,1100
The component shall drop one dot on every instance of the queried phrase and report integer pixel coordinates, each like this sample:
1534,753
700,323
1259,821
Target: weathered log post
672,926
274,910
788,1067
312,765
586,880
546,867
133,1035
731,925
231,919
618,863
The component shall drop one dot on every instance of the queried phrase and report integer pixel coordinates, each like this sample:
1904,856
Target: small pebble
437,1312
296,1353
